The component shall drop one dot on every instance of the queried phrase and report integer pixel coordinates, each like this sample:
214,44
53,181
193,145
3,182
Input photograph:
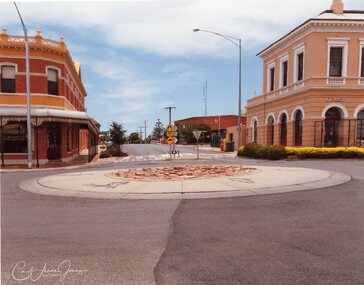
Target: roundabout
188,182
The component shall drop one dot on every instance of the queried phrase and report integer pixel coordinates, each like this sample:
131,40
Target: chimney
337,7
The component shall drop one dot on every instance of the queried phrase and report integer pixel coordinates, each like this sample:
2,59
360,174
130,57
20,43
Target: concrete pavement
265,180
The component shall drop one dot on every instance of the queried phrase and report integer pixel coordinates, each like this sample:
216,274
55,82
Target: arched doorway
255,131
298,128
284,129
360,128
270,130
332,125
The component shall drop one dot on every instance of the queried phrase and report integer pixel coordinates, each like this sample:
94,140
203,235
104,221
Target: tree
134,138
117,133
158,130
186,134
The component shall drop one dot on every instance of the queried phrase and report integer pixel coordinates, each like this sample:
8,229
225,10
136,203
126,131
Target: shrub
324,153
104,154
254,150
277,152
251,150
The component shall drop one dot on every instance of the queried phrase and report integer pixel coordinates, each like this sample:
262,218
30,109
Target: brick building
313,84
61,127
225,125
214,122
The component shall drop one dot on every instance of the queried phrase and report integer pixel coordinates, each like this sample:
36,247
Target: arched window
360,127
332,125
284,129
255,131
298,128
270,130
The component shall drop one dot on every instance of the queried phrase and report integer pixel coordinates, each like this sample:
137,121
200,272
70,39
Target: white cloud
165,27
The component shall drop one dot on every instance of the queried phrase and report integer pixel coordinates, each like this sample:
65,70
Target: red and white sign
216,120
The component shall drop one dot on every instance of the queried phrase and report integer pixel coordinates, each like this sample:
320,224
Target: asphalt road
310,237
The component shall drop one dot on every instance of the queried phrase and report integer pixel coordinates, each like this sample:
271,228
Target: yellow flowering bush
326,152
261,151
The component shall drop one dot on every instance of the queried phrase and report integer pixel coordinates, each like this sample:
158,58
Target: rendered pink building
313,84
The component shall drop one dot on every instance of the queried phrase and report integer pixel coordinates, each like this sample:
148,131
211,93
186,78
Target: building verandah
53,139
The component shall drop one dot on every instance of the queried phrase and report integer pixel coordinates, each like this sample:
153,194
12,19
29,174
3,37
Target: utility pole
141,133
170,113
145,131
29,122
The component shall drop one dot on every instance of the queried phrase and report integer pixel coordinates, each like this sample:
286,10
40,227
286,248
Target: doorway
53,141
332,127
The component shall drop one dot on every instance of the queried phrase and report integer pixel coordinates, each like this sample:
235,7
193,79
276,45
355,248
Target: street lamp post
29,123
236,42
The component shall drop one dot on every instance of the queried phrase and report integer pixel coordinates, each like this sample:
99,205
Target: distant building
216,123
61,128
225,125
313,84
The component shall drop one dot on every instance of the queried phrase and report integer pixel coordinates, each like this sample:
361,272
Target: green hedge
253,150
277,152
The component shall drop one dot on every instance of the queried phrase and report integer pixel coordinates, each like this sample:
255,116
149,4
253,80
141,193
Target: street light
236,42
29,126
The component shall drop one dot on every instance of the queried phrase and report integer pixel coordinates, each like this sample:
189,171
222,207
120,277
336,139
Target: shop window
8,79
14,138
336,62
69,139
52,82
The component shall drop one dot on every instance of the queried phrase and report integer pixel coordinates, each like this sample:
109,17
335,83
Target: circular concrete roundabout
190,182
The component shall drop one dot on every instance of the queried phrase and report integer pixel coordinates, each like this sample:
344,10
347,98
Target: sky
138,57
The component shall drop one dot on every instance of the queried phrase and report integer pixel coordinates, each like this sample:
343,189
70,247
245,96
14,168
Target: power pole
145,131
141,133
170,113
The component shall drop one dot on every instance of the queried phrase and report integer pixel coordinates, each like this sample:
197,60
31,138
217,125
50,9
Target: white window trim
281,61
361,46
9,64
338,43
298,50
55,68
269,67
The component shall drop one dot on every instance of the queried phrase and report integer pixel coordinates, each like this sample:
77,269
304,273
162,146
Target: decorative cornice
313,25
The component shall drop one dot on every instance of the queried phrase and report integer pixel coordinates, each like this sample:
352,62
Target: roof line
313,19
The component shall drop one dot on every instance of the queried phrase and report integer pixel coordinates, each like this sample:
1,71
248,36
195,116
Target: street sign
169,140
197,134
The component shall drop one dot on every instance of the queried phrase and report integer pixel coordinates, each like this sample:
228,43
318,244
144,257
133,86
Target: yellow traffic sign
169,140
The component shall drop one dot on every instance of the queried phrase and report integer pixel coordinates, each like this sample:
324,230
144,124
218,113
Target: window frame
284,59
361,58
270,66
297,52
338,43
5,64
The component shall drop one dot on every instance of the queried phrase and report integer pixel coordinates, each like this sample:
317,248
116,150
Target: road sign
197,134
169,140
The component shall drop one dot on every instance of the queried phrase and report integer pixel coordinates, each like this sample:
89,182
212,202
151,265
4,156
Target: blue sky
139,56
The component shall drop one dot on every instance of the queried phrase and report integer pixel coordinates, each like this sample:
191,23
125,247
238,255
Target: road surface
309,237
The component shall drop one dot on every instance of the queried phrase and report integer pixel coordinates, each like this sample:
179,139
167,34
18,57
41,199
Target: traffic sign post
171,139
197,135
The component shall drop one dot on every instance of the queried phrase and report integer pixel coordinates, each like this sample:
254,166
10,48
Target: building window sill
299,85
336,81
284,90
270,94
